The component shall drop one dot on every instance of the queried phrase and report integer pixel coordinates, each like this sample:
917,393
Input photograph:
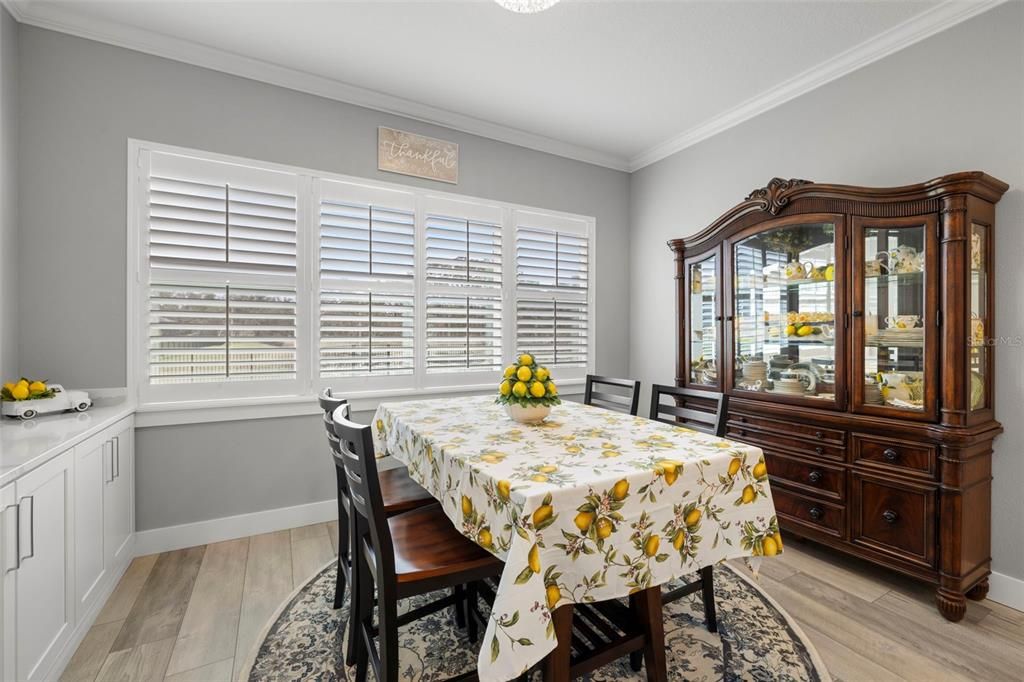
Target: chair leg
558,662
387,614
471,624
356,573
459,592
647,604
343,554
707,581
360,617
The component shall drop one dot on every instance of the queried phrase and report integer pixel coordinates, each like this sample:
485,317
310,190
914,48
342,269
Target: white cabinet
118,496
66,532
8,564
44,605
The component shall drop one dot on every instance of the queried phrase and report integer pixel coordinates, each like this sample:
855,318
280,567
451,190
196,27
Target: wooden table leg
647,605
558,662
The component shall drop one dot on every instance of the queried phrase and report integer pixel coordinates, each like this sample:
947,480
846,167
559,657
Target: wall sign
422,157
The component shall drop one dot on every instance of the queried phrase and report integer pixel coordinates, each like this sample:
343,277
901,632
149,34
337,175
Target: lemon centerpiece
527,391
25,389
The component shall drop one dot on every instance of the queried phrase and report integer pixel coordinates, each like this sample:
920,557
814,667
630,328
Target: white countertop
25,445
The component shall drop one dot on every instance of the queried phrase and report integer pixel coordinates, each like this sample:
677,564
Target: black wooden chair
621,395
404,555
701,411
399,493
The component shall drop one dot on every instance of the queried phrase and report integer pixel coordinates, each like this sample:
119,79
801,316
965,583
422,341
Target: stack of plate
873,395
789,386
755,370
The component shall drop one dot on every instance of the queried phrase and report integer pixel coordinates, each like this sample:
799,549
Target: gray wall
8,195
953,102
81,101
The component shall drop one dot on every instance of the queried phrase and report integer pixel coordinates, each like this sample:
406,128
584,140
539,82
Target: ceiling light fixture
527,6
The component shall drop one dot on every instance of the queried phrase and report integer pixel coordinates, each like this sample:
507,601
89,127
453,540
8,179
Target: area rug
756,640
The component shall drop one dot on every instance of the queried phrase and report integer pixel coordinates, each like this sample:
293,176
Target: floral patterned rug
756,640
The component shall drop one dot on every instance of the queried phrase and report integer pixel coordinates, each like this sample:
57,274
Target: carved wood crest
775,194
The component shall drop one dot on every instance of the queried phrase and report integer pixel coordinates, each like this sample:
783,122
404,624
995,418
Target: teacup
797,270
902,321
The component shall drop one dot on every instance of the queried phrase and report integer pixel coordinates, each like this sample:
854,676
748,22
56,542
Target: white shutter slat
366,241
550,259
365,334
554,331
463,333
463,251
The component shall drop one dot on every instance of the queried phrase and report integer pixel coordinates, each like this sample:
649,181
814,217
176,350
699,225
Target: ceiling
613,82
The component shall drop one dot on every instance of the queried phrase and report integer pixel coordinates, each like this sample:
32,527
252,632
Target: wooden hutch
852,329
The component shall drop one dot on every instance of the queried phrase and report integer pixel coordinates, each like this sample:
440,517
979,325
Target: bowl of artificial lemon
527,391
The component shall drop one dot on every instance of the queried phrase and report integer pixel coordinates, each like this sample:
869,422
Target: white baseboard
1006,590
232,527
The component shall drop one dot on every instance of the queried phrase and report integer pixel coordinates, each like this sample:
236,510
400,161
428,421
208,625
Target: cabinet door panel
895,332
44,600
8,562
703,294
92,476
118,500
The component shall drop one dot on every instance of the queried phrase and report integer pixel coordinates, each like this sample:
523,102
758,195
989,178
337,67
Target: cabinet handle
718,318
110,456
890,455
117,455
858,313
818,449
890,516
31,528
814,476
729,318
816,513
820,435
17,536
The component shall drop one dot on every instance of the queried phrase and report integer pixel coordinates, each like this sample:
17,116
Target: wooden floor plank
810,560
120,603
159,608
268,581
332,532
311,550
844,663
219,671
143,663
209,629
92,652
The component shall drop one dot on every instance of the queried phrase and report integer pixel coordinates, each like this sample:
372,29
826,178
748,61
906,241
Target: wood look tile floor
195,614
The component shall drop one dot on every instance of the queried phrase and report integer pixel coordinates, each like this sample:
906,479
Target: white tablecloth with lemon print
590,505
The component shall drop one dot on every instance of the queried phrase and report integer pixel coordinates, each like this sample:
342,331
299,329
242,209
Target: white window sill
239,409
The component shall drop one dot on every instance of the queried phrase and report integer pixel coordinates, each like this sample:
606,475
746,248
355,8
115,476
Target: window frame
249,399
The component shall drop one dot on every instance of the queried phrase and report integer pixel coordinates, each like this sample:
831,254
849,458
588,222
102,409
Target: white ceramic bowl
528,415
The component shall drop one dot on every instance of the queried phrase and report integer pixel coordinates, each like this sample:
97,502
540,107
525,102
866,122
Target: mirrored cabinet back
852,328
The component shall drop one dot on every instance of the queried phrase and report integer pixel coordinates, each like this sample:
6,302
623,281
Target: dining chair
621,395
704,411
399,494
402,555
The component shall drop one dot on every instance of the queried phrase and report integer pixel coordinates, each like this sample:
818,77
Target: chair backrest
356,455
621,395
329,403
699,410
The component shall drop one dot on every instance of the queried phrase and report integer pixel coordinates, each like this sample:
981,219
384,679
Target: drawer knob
819,435
890,516
816,513
818,449
814,476
890,455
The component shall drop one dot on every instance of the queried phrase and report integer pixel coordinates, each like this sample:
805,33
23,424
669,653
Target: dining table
586,506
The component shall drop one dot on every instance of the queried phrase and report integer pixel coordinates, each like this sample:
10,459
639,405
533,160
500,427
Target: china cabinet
852,328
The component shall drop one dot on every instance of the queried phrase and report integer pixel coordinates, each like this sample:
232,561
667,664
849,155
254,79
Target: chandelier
526,6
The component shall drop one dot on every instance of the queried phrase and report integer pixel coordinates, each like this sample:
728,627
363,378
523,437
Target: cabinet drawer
793,442
802,430
915,458
897,519
822,516
815,477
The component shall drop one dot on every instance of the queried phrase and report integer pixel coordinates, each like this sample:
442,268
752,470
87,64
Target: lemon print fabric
591,505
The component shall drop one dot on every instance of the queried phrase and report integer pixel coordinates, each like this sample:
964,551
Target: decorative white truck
61,400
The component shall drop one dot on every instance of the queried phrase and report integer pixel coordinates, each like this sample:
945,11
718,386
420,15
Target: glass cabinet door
787,285
981,314
895,291
703,301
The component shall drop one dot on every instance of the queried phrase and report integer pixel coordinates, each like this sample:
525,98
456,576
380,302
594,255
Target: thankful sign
417,155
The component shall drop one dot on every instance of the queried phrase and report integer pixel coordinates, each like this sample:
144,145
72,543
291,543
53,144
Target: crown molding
57,18
915,29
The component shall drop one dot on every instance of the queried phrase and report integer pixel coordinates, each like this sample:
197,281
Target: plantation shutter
552,289
222,263
463,333
463,250
367,269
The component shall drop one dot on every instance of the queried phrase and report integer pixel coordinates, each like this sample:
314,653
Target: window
260,281
552,288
